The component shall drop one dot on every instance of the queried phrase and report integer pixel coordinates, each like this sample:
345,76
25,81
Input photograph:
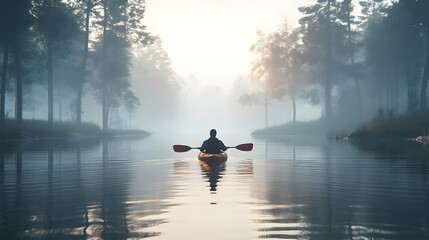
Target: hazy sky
210,39
209,42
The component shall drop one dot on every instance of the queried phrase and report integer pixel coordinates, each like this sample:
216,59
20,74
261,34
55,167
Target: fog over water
206,71
212,61
201,62
211,56
236,66
296,188
303,73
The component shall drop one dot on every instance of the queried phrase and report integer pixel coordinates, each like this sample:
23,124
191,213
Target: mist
341,63
214,119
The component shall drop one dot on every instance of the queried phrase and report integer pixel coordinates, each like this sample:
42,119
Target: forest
63,50
107,112
355,62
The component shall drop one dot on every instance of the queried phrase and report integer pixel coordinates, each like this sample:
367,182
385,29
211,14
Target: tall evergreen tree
121,29
347,17
317,29
5,43
58,28
420,20
394,46
86,8
19,22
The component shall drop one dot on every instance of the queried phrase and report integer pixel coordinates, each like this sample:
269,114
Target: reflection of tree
18,195
83,202
284,215
329,190
180,167
78,199
245,167
113,210
3,195
213,170
50,199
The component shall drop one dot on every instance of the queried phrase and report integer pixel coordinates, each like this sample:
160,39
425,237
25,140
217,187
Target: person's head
213,133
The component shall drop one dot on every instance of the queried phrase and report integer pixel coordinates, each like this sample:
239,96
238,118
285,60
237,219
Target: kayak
212,158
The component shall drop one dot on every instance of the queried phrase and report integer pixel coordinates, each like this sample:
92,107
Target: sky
209,40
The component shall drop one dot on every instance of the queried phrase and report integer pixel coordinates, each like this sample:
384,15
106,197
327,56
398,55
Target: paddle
182,148
241,147
244,147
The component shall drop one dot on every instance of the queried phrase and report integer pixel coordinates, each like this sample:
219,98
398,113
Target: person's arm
222,146
204,146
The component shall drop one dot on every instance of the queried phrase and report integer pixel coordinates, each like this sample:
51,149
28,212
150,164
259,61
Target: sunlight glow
210,40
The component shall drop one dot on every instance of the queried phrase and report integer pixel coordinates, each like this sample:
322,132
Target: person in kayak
212,145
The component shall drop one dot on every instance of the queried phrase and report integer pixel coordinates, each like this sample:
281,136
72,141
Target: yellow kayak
212,158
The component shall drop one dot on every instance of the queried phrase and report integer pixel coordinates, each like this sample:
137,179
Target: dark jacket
212,146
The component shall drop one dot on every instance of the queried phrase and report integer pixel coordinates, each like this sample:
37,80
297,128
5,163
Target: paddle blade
181,148
245,147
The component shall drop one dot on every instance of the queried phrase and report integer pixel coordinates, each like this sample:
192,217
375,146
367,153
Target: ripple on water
282,190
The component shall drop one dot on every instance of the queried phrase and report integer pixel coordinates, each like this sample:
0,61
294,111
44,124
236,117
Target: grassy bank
319,127
316,127
404,126
38,129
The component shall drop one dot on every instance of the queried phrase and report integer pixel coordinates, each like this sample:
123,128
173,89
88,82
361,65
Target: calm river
286,188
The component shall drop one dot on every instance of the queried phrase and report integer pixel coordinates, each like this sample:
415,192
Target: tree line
70,46
351,62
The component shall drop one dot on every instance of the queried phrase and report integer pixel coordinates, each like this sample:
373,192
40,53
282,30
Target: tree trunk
387,89
396,92
50,70
352,62
18,83
379,95
60,104
292,96
359,97
3,82
392,92
104,74
328,86
266,105
294,108
83,65
50,85
424,83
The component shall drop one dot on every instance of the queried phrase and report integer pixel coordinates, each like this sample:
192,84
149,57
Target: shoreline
403,127
33,130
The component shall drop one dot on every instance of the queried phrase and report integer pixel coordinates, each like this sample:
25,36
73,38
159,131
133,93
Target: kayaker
212,145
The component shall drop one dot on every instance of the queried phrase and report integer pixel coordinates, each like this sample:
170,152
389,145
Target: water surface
287,188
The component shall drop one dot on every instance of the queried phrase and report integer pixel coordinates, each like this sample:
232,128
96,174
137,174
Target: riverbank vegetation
353,64
39,129
404,126
407,126
316,127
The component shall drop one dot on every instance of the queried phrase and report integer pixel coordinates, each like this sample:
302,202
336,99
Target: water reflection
66,193
332,190
213,171
286,188
196,213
